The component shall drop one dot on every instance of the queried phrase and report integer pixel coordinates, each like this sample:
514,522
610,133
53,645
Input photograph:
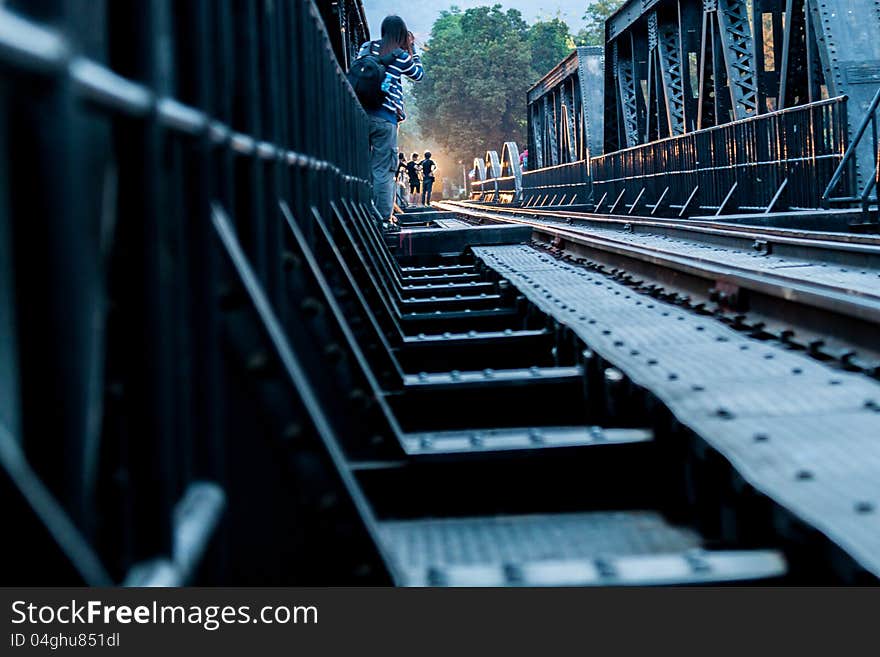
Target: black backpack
367,74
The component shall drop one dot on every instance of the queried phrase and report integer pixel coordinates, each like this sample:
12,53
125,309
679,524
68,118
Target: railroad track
819,292
772,441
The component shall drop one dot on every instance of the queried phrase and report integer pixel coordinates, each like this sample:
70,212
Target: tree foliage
479,64
477,71
593,32
550,42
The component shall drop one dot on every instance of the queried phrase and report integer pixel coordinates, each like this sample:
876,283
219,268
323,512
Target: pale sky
420,15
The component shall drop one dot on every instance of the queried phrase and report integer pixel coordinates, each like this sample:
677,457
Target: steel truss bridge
631,365
708,109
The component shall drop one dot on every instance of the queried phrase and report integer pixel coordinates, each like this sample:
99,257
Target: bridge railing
846,168
145,433
770,162
564,184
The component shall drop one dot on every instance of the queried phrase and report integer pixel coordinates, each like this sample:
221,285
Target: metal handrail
849,155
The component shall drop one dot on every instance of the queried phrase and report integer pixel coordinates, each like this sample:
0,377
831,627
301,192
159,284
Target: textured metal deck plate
803,433
451,223
468,286
476,336
528,376
509,377
496,440
585,549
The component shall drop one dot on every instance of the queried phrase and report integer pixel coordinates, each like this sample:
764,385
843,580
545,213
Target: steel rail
819,311
694,227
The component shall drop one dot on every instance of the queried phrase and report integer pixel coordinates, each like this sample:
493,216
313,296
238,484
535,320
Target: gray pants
383,164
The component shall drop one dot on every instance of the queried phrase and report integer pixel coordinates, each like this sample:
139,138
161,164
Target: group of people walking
415,179
376,78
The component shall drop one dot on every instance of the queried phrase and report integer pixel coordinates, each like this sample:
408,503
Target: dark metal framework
245,380
767,163
845,172
564,131
676,66
565,111
679,66
144,372
347,27
796,81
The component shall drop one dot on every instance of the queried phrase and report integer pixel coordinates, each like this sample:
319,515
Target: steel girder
670,60
565,111
492,167
567,119
480,168
591,68
847,32
536,135
550,124
736,39
708,62
627,103
510,166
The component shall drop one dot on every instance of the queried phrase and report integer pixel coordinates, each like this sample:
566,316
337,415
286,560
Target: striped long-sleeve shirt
410,66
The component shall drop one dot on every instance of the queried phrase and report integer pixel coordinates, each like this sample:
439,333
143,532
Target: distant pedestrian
400,181
401,166
524,159
429,167
396,52
415,185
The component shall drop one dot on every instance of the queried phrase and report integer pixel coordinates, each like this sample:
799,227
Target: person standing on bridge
415,185
398,41
400,182
428,168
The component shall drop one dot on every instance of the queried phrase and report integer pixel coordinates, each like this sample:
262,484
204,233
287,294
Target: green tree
593,32
550,42
477,71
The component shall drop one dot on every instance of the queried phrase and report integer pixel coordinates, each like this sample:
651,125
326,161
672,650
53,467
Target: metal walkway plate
497,440
569,549
803,433
528,376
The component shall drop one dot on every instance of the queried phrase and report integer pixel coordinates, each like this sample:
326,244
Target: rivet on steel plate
613,375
